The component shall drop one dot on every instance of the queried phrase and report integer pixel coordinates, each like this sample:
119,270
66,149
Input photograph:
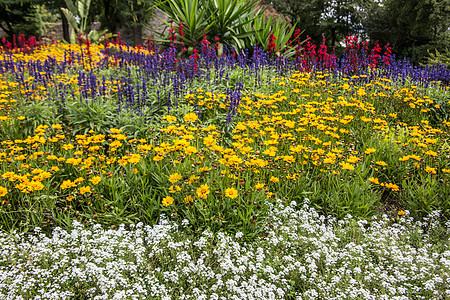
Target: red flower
272,46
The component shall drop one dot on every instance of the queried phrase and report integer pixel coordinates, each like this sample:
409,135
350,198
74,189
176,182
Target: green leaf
71,7
71,18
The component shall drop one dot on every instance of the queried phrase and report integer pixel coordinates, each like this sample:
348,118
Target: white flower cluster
304,256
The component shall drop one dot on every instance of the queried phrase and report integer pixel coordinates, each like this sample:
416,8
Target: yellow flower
203,191
423,145
430,170
42,176
191,117
193,178
158,158
115,131
374,180
175,177
134,159
446,170
353,159
401,212
188,199
85,189
209,140
67,184
37,171
271,151
95,180
413,156
79,179
381,163
167,201
68,146
404,158
329,160
190,150
56,126
54,169
431,153
370,150
392,186
259,186
274,179
169,118
347,166
118,137
231,193
3,191
289,158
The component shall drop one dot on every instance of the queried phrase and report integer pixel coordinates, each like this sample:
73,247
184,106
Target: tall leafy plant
228,20
192,14
229,17
77,15
273,35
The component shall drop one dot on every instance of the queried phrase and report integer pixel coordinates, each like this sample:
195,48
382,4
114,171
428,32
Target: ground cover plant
216,141
304,256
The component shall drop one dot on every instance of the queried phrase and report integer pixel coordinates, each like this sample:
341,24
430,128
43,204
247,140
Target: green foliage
36,113
280,29
326,115
440,109
412,27
229,17
229,20
239,24
77,15
20,17
192,14
439,58
127,16
90,114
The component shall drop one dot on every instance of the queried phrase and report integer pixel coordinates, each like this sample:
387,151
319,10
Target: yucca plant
279,30
228,20
192,14
230,17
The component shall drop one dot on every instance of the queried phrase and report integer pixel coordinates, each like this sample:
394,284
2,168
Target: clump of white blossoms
303,256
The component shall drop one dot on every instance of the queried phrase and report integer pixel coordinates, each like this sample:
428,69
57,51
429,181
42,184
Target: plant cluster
21,44
304,255
121,134
237,24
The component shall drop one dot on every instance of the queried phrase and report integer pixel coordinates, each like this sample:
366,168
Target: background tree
18,16
55,7
412,27
306,14
339,19
127,16
334,18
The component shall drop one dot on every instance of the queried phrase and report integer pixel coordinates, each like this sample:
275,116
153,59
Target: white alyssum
303,256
